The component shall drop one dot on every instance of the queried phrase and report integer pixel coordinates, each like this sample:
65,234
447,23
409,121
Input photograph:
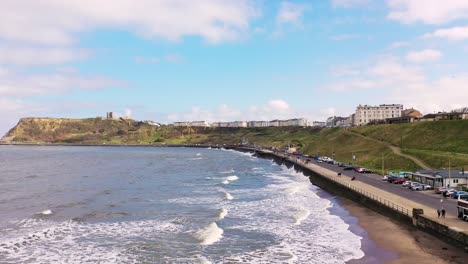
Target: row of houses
388,114
298,122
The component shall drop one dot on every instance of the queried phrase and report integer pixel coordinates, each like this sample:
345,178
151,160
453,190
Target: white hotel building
366,113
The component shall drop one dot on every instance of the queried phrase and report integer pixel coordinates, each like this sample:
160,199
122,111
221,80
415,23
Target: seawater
162,205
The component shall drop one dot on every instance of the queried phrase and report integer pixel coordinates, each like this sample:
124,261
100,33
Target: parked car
364,170
439,190
413,184
357,169
385,178
427,187
392,178
349,167
448,192
418,187
457,193
400,181
463,196
406,183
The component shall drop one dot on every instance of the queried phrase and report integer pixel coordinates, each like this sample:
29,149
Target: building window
455,180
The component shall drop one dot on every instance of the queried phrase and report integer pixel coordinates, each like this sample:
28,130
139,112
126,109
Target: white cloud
354,84
147,60
290,13
427,55
31,56
454,33
272,109
52,22
398,44
393,81
427,11
339,71
348,3
344,37
17,84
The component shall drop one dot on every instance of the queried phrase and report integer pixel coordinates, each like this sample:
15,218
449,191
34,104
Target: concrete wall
450,234
340,190
453,236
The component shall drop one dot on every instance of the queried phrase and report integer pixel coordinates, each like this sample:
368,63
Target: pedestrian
438,213
443,212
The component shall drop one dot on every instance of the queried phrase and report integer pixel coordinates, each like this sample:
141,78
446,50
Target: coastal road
427,198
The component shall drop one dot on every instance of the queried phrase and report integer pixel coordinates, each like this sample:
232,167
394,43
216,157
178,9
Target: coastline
384,240
398,243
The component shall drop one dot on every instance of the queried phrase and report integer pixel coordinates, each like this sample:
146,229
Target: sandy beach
399,243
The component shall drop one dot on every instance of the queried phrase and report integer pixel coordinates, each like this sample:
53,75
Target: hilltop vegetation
432,142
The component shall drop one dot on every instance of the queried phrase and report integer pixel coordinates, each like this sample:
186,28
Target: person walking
443,212
438,213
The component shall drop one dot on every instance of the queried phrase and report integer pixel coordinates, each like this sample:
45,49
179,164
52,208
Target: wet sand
396,243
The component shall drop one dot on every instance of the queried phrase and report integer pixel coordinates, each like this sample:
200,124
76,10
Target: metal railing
347,184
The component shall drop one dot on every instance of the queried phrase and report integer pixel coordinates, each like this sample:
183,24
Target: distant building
230,124
319,124
401,120
335,121
441,178
110,115
349,121
444,116
411,112
181,124
191,124
300,122
258,123
367,114
275,123
152,123
199,124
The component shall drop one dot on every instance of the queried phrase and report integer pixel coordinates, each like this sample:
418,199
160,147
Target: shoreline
384,240
397,243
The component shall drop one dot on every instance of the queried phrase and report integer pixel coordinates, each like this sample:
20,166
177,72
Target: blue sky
221,60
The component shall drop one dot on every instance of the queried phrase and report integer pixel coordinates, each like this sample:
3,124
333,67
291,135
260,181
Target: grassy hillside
448,136
432,142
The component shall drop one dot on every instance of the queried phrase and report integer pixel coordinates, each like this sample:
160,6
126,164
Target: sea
90,204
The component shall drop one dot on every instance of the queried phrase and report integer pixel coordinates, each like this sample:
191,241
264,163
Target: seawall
409,216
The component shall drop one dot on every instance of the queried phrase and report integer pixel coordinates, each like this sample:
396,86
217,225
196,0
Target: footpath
392,200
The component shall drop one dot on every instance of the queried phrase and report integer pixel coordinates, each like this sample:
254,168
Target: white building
192,124
237,124
366,114
319,124
275,123
301,122
258,124
181,124
152,123
199,124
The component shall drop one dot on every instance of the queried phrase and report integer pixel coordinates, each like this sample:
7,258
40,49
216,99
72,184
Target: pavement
394,193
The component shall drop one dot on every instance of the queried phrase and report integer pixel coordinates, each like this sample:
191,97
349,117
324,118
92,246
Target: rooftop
444,173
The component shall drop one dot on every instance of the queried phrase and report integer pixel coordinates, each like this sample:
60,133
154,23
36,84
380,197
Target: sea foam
45,212
210,234
228,196
232,178
222,213
301,215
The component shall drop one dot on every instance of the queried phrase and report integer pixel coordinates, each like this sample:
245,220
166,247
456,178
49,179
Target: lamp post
383,165
450,178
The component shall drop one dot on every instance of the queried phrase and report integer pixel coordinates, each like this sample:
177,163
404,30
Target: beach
400,243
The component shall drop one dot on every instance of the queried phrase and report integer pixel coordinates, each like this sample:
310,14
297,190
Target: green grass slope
432,142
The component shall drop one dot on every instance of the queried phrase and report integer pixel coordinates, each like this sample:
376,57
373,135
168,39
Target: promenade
396,198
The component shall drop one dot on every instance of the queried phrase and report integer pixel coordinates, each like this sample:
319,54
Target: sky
226,60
